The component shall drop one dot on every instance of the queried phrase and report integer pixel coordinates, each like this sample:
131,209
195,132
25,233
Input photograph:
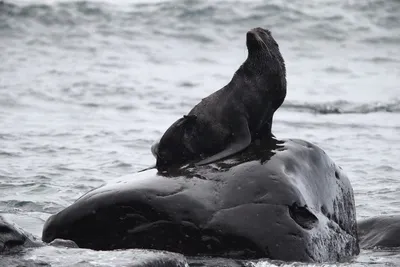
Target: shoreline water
87,87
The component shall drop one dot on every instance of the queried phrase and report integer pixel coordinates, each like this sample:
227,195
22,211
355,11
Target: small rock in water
63,243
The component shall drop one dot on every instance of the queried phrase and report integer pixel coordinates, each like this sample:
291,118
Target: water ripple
344,107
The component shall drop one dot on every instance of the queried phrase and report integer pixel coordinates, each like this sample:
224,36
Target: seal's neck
254,66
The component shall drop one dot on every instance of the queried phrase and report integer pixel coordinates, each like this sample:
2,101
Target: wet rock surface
284,200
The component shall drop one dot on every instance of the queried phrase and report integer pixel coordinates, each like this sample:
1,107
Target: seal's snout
254,39
251,36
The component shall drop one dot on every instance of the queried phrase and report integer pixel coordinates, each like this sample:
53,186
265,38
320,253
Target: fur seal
227,121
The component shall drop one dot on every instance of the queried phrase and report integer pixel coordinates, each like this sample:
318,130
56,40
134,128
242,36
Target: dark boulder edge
380,232
283,200
13,239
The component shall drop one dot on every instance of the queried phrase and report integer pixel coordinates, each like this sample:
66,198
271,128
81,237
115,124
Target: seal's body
227,121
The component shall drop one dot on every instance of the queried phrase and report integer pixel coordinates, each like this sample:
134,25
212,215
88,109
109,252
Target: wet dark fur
255,92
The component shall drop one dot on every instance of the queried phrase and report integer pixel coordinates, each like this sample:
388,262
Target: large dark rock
283,200
380,231
13,239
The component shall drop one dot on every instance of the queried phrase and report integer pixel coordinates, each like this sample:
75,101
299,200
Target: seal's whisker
262,43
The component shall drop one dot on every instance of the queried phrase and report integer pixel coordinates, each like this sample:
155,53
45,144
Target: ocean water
87,86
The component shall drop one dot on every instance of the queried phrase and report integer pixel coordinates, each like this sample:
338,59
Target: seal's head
263,48
176,145
266,62
260,40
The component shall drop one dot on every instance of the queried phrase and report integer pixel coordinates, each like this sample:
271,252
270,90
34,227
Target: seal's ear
189,118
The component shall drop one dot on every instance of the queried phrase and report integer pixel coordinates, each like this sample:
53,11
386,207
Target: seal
228,120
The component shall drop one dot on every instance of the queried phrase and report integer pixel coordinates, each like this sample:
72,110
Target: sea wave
343,107
294,20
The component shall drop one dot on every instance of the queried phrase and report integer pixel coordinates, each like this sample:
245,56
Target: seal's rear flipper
241,141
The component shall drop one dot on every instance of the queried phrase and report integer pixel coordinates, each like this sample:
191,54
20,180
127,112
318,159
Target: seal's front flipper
241,140
148,168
